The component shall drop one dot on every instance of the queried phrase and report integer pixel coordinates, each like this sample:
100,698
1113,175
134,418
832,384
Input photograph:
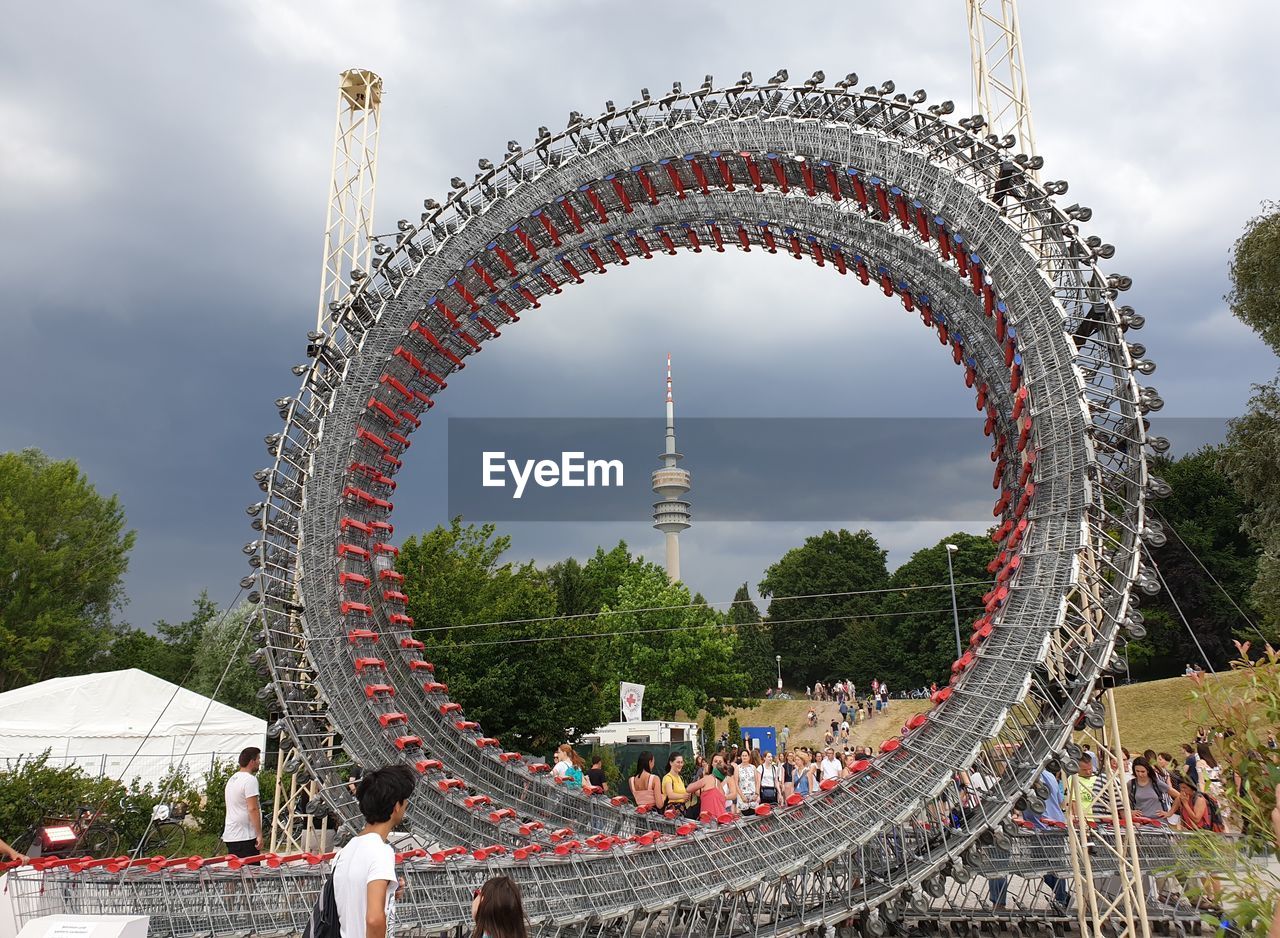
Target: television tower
671,483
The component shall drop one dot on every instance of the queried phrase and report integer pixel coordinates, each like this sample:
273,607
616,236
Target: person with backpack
1148,796
1195,809
364,872
1210,772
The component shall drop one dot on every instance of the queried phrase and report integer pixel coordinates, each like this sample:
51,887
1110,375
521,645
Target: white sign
631,699
573,470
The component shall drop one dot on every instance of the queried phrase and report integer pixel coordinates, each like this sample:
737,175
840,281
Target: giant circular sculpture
868,185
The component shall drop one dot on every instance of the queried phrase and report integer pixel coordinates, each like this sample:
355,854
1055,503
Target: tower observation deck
671,484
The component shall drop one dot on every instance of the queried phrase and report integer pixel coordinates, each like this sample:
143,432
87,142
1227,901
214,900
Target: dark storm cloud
161,186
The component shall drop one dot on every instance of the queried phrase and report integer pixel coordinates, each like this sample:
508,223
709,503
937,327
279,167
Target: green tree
63,552
1255,275
1249,460
222,657
531,682
678,649
708,735
1202,513
918,629
755,643
574,593
135,648
169,653
604,574
827,569
1253,440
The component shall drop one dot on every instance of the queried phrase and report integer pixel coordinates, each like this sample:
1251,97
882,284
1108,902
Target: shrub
735,732
1244,713
708,736
34,790
213,813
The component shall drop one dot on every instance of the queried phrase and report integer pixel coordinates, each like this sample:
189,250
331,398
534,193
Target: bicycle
166,835
86,832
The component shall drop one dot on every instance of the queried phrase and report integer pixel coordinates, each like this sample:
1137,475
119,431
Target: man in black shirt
595,775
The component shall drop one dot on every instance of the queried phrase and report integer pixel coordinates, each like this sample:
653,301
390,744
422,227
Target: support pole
999,75
349,224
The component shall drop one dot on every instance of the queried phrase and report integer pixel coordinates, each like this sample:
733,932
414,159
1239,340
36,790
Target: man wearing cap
829,767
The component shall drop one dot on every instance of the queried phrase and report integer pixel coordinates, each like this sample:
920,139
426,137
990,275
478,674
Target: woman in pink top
644,784
710,789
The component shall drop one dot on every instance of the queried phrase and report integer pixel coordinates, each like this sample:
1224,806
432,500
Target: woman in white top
564,762
768,779
748,788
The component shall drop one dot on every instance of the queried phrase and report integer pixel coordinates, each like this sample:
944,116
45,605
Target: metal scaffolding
353,180
999,73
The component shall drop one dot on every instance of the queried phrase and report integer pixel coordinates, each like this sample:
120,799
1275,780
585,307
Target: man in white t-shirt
242,832
365,869
829,767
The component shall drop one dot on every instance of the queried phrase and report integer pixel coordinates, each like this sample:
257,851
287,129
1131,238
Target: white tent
123,724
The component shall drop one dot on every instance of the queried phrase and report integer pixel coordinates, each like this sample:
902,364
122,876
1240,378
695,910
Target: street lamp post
778,658
955,612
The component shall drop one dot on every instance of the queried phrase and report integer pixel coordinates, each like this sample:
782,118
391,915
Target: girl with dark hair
644,784
674,791
498,910
1148,796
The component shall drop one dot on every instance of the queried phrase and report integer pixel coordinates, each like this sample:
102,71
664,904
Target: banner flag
631,698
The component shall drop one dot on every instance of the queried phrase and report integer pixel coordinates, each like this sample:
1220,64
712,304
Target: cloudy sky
162,193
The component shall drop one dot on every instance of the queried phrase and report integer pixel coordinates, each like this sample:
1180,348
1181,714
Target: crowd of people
737,780
853,710
366,883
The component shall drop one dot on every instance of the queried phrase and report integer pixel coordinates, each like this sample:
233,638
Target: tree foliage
1253,440
170,652
63,552
1250,460
755,643
834,572
917,630
1255,275
679,649
490,627
222,669
1202,515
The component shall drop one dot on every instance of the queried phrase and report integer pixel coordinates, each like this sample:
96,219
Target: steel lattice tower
999,73
348,228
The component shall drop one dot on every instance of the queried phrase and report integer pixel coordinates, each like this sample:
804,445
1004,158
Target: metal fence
125,767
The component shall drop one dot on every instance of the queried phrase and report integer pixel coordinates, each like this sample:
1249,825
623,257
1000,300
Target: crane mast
999,72
1118,906
349,222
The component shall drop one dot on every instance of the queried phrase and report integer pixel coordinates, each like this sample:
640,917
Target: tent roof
119,704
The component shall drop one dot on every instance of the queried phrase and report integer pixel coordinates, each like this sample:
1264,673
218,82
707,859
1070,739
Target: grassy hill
1153,715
